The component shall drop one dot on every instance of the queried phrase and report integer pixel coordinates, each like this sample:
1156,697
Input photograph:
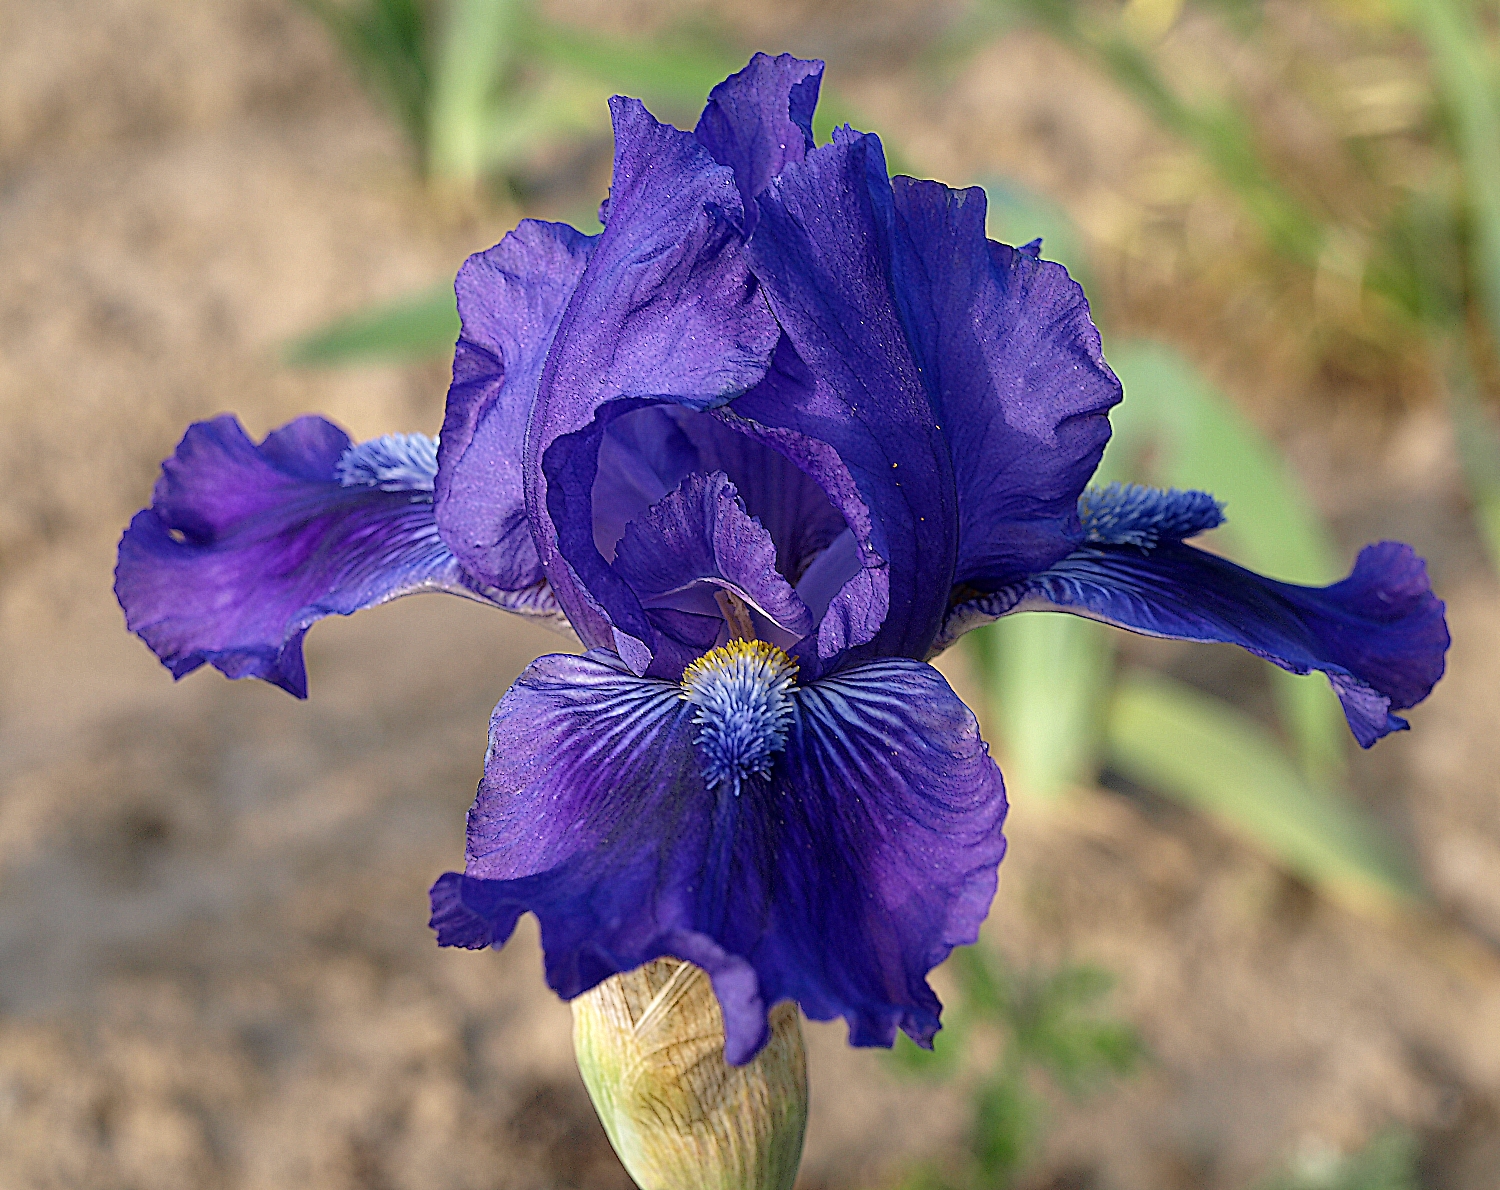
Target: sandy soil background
214,964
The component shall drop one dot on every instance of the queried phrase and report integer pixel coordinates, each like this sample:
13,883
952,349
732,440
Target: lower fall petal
838,879
246,546
1379,635
890,813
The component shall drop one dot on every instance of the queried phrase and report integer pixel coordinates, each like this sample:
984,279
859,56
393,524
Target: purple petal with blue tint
760,120
822,250
510,300
847,585
1379,635
642,456
245,547
699,540
645,452
828,574
887,857
1020,385
839,882
776,491
665,311
961,380
1134,514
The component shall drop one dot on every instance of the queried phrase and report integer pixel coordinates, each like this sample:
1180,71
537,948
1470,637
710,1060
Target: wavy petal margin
511,300
1380,634
839,882
246,546
694,543
1014,362
666,311
759,121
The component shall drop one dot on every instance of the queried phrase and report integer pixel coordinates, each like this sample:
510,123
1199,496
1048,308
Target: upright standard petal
838,880
823,252
666,311
510,301
245,547
1019,381
974,390
645,451
1379,635
642,456
759,121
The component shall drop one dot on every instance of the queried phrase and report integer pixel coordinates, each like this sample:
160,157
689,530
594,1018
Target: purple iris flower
781,432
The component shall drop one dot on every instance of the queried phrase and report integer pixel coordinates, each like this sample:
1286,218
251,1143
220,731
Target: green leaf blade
1169,737
477,46
1047,678
1194,437
417,327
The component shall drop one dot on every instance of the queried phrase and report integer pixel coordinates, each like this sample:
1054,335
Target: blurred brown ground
214,964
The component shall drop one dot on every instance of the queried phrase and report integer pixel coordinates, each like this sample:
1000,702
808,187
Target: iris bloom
776,436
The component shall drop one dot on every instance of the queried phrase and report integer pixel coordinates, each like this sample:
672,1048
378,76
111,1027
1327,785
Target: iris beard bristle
743,694
394,462
1133,514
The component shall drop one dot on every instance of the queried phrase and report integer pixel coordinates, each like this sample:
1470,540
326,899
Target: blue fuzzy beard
743,694
393,463
1133,514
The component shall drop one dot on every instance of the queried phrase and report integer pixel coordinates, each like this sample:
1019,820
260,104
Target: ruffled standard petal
642,457
974,395
666,311
245,547
510,302
696,542
759,121
1022,390
648,452
1379,635
839,881
822,252
773,484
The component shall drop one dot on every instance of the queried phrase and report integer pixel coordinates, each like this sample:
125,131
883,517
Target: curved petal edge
838,881
1380,635
246,546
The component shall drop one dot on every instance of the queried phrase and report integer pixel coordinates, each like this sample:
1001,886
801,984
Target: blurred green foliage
479,85
414,327
1389,1162
1202,751
1178,430
1421,234
1219,130
1046,1026
1463,55
1009,1034
386,41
